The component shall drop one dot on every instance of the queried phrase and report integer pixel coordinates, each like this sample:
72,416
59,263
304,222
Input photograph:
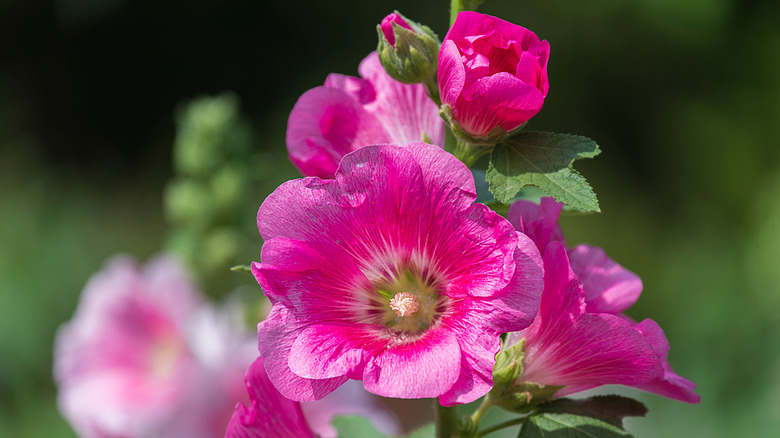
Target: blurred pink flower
492,73
144,357
271,415
348,113
608,287
390,274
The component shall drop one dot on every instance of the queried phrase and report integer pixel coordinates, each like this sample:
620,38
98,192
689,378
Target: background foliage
683,98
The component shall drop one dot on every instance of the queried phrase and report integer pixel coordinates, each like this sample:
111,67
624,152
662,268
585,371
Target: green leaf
544,160
242,268
427,431
569,426
352,426
609,408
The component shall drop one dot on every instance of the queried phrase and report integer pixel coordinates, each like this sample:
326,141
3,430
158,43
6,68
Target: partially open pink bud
492,77
387,26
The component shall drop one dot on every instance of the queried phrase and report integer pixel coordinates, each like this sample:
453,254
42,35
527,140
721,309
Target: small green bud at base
507,392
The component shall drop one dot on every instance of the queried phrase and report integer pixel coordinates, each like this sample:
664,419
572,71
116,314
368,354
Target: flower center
407,302
404,304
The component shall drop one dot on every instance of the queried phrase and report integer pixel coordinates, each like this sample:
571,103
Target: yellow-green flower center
409,303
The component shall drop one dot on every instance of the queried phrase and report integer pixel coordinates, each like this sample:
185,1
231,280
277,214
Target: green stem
469,154
456,6
476,417
446,420
433,90
500,426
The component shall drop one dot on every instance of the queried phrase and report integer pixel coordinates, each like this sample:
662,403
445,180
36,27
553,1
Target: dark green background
682,96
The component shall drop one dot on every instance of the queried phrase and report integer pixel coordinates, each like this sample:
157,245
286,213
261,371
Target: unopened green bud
509,392
408,51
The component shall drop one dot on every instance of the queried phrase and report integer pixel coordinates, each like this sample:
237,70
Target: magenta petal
669,384
609,287
498,100
424,368
276,336
360,90
328,120
325,351
470,23
478,345
451,74
405,111
476,375
537,221
270,415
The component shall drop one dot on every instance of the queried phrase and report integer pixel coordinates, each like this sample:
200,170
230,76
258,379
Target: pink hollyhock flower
271,415
608,287
568,346
492,74
390,274
144,357
348,113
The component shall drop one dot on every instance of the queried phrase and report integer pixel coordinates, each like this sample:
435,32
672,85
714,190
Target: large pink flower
571,347
271,415
608,287
348,113
143,357
492,73
390,274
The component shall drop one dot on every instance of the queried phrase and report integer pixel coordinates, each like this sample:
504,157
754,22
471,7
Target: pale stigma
404,304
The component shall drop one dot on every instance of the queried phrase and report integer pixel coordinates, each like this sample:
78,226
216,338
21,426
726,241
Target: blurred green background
682,95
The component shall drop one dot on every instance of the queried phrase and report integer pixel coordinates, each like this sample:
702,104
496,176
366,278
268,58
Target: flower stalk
446,420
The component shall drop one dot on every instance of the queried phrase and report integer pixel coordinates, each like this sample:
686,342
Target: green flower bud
508,392
408,51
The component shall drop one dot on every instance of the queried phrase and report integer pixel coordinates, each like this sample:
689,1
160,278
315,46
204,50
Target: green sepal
352,426
544,160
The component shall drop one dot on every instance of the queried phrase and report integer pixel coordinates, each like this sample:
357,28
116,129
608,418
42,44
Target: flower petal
404,110
324,351
325,124
276,336
424,368
669,384
270,414
451,74
609,287
538,221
